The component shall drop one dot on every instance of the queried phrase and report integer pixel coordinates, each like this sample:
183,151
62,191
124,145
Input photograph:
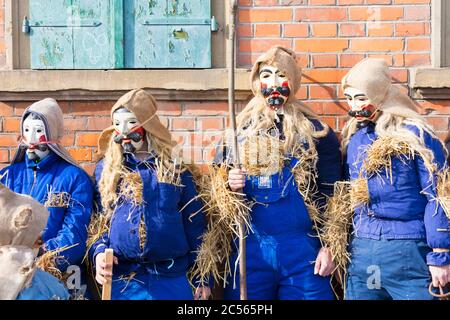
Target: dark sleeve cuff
438,259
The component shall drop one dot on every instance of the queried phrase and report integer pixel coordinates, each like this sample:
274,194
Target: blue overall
67,225
159,270
283,246
44,286
395,232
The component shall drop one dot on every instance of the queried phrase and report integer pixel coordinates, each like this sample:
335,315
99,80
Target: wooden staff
232,113
109,260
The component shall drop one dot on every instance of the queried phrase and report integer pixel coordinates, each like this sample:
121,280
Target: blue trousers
282,268
146,286
388,270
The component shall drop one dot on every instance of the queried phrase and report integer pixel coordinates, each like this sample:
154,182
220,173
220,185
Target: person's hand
202,293
324,263
236,179
101,275
440,275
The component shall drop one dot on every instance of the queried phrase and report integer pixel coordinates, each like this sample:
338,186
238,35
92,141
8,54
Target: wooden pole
109,259
232,113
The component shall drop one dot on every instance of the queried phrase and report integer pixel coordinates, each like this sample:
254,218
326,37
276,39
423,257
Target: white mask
128,131
360,105
274,86
35,138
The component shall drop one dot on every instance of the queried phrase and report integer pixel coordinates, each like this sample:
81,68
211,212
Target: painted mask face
35,138
274,86
129,133
360,106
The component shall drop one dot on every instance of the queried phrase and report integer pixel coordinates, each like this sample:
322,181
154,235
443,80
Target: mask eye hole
281,75
39,131
133,122
27,130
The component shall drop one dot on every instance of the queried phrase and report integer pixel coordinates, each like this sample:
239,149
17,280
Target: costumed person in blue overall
149,213
43,169
22,220
395,163
290,160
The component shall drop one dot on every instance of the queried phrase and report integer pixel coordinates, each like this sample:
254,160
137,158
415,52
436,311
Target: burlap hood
372,76
22,220
50,113
283,59
144,106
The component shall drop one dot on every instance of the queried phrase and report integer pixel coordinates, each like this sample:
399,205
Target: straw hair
443,190
224,210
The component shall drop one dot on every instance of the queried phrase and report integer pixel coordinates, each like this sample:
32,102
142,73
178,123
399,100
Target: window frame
158,81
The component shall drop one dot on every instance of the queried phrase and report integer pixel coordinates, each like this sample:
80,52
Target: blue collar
48,160
131,158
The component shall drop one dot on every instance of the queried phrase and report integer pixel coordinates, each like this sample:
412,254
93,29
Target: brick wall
329,36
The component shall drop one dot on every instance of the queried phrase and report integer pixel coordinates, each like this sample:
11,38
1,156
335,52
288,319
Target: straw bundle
305,175
49,260
224,210
262,154
384,149
443,190
359,192
336,227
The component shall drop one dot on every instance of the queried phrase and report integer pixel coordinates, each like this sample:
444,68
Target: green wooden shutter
168,33
76,34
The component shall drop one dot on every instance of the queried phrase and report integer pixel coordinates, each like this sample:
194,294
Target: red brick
321,14
89,168
296,30
411,1
98,123
68,140
435,107
386,57
169,108
302,93
321,2
75,124
183,124
6,110
10,140
210,124
411,29
399,75
268,30
349,60
330,121
206,108
11,125
324,30
378,1
352,30
94,108
375,13
82,155
245,3
322,92
266,2
245,30
259,45
4,156
419,44
413,60
399,60
321,46
417,13
323,75
87,139
370,45
324,60
265,15
380,29
350,2
335,108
